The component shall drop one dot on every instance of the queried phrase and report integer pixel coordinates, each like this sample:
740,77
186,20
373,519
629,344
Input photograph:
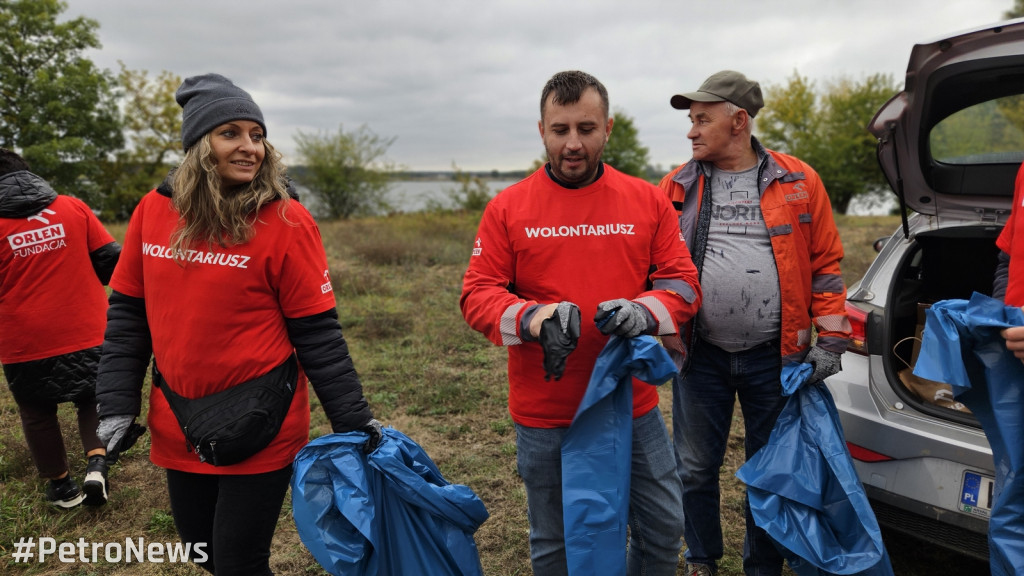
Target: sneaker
64,493
95,484
698,570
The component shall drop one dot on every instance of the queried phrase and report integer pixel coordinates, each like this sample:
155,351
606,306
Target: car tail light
864,455
858,330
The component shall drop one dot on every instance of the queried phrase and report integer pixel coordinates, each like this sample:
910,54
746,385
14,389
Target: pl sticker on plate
976,496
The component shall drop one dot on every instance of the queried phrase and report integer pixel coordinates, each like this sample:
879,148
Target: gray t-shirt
739,279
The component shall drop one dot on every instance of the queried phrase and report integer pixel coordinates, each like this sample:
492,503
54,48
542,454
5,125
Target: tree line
110,138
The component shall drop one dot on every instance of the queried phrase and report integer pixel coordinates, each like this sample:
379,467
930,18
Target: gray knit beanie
210,100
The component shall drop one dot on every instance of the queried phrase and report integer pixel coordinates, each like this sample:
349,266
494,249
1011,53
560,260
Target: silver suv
950,145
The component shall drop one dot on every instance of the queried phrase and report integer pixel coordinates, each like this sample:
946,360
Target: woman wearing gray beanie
223,282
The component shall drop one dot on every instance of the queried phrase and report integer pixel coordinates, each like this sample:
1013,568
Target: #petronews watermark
45,548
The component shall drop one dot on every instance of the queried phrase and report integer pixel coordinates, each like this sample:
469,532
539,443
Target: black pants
235,515
38,386
46,443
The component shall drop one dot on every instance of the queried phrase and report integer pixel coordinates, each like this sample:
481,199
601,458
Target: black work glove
118,433
622,317
558,337
375,429
825,362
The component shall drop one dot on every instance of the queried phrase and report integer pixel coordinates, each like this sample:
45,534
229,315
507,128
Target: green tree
1012,108
624,151
828,130
152,124
347,172
56,107
1016,12
790,123
470,192
989,128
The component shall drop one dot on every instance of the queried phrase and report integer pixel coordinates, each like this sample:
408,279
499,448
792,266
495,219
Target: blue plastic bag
962,346
597,452
804,491
794,375
388,513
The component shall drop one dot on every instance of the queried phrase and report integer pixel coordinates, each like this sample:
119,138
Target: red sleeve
1005,240
127,277
675,296
487,304
98,235
304,286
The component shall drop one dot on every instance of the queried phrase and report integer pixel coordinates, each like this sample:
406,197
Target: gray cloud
459,81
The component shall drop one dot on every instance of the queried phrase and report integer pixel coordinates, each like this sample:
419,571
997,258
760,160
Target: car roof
944,76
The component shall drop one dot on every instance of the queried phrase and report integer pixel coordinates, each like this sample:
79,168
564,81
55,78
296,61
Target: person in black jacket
53,266
223,282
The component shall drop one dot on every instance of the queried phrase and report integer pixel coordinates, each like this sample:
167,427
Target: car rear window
991,132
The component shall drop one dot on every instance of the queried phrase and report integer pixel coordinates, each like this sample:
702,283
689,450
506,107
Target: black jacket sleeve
1002,276
323,355
127,349
104,259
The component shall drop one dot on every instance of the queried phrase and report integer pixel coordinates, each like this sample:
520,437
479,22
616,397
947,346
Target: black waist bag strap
230,426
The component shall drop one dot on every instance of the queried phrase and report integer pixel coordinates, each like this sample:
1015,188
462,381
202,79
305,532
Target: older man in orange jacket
760,229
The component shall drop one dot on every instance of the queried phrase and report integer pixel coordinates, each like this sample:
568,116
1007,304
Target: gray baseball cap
724,86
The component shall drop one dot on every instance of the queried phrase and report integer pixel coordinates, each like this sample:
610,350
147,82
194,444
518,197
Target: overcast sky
459,81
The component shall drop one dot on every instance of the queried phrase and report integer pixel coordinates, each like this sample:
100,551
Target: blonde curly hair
211,214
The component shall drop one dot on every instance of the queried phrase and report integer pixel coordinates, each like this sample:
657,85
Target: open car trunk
948,263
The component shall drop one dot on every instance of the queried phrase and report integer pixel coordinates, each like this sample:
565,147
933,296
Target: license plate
976,496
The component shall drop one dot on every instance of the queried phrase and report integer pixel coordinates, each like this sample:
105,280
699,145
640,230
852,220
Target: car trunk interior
943,264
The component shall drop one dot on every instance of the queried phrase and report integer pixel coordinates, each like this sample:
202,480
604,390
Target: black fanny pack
232,425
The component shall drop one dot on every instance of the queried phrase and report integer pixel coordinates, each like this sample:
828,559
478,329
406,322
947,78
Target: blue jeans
655,498
702,406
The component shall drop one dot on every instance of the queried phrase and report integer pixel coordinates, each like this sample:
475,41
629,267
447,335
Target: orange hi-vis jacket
805,243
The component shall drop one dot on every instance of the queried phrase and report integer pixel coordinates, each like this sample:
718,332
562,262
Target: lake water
417,195
877,204
413,196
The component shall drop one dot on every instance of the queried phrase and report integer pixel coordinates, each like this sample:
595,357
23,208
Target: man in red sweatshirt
577,238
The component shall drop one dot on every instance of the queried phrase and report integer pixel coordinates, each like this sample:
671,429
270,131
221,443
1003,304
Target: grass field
397,280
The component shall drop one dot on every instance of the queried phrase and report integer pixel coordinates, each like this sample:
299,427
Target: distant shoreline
448,175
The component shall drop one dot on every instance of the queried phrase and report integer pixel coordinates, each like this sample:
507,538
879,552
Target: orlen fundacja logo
51,233
30,242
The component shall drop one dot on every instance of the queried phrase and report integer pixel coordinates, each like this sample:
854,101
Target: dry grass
425,373
858,233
